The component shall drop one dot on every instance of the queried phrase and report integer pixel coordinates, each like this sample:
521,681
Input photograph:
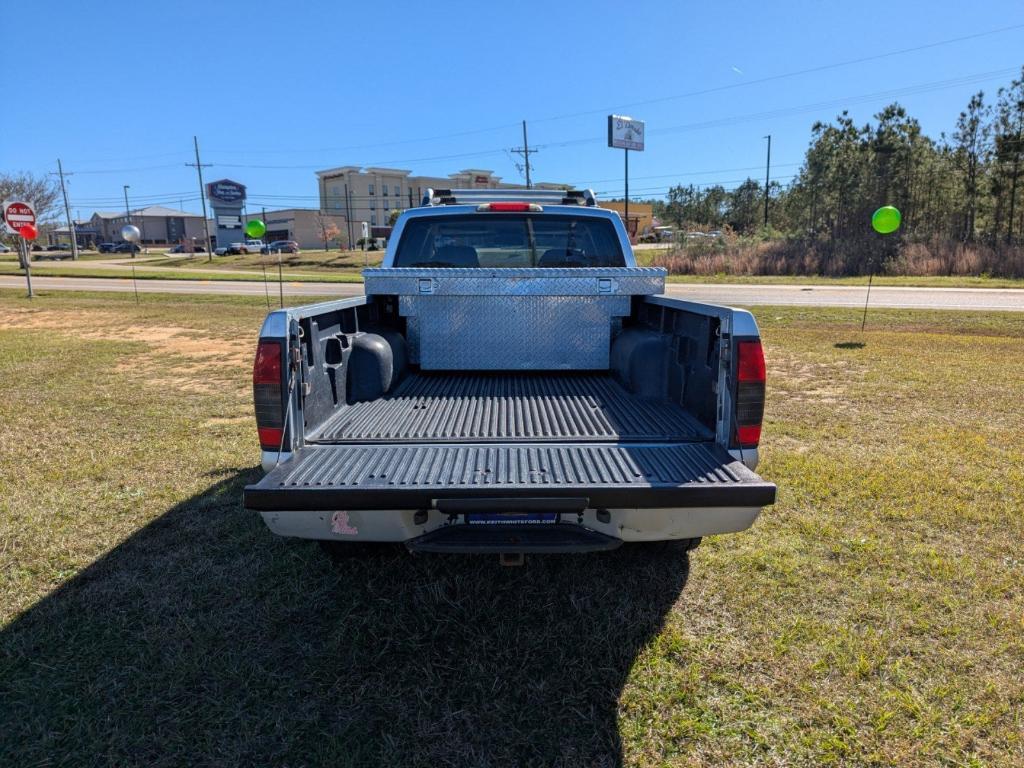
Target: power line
691,173
784,75
645,102
319,166
399,142
935,85
129,170
718,122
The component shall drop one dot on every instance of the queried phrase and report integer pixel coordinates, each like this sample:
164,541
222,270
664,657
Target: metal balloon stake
884,221
256,229
28,234
130,234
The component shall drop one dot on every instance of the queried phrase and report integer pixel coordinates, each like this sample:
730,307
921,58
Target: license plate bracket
511,518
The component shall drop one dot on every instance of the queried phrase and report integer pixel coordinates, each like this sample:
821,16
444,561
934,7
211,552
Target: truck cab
511,382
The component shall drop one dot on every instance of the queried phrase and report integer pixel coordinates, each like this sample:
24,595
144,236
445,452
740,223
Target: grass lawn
873,616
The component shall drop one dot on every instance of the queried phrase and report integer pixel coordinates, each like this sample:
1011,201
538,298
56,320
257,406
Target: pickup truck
511,382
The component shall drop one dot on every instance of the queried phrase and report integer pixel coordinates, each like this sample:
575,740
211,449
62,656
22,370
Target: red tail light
267,388
750,387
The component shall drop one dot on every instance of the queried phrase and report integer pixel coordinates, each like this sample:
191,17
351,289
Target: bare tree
328,230
42,191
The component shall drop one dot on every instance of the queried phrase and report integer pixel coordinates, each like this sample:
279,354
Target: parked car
106,247
37,247
126,248
281,246
184,249
222,251
4,248
59,247
553,401
249,246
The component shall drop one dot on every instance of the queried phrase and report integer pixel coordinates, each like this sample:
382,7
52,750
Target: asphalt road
1005,299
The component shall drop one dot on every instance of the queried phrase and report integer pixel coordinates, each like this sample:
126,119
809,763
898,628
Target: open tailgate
414,476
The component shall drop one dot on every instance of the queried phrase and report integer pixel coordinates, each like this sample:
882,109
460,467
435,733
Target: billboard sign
625,133
226,191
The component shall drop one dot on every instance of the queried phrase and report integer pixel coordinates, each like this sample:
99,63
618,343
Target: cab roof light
510,207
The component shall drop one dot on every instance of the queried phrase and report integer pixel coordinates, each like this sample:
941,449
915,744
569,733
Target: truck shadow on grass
205,640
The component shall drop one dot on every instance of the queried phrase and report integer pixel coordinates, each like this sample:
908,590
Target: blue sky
275,91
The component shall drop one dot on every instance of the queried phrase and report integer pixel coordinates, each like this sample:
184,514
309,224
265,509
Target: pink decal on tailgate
341,525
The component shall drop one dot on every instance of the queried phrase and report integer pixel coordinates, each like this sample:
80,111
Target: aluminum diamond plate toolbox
518,281
513,319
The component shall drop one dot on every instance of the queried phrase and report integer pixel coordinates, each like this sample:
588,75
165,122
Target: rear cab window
509,240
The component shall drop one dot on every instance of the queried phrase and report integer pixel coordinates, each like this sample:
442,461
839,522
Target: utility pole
202,196
67,212
525,152
348,216
767,176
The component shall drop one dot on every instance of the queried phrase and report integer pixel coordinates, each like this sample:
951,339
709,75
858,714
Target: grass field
873,616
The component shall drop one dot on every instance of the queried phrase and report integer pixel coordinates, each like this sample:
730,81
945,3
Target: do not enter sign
18,214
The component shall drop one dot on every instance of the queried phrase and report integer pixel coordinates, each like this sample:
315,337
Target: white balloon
130,233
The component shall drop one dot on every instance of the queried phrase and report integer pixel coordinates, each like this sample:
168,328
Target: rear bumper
623,524
400,492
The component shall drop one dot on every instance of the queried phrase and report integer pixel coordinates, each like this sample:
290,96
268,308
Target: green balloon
886,220
257,228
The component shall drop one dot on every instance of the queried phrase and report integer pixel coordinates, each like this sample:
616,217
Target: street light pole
767,176
626,196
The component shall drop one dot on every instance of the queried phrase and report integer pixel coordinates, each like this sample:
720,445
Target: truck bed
502,407
530,436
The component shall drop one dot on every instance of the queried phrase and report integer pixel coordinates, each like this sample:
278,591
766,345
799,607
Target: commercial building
84,233
641,215
308,228
371,194
157,225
